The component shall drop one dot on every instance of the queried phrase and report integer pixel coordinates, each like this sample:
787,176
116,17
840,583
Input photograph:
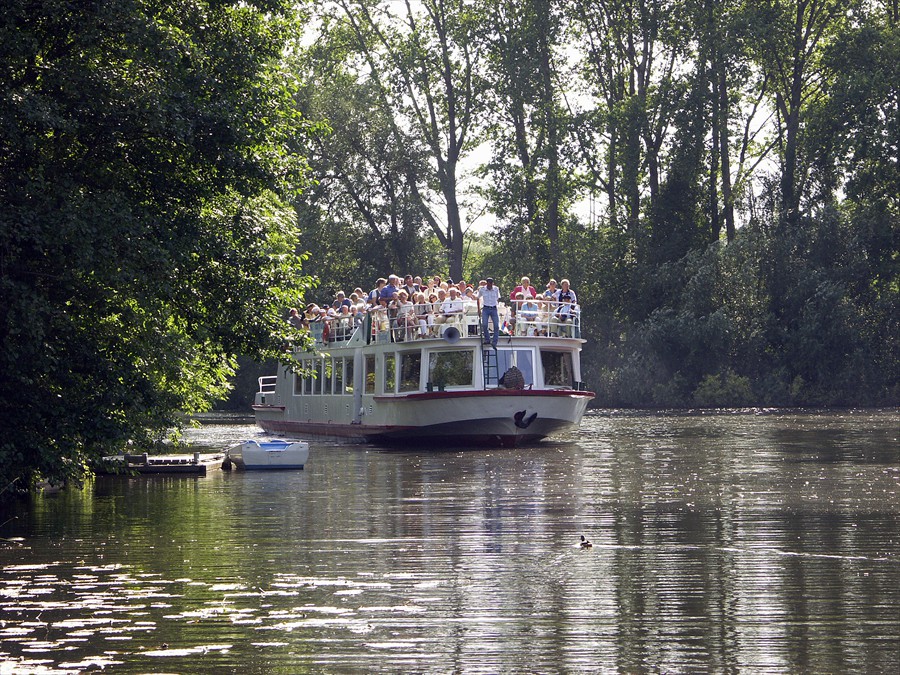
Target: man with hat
489,295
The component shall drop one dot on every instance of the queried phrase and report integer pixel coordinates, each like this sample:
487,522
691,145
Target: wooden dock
145,465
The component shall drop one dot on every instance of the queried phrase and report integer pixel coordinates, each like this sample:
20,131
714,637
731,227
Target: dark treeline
718,178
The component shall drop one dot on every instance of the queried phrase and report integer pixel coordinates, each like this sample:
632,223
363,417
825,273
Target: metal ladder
489,366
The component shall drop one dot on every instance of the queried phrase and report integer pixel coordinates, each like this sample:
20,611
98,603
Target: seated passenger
434,307
470,309
295,319
568,304
451,308
356,301
375,293
379,313
406,317
341,298
544,314
528,315
343,324
424,311
409,286
358,316
525,288
390,290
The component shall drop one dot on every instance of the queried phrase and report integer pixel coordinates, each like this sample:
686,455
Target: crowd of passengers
412,308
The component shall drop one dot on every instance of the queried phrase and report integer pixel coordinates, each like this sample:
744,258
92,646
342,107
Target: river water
727,542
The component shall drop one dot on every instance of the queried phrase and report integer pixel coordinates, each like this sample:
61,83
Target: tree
426,72
788,41
362,216
633,51
532,186
145,240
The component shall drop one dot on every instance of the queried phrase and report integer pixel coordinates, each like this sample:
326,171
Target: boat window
523,359
348,376
410,368
299,380
370,374
338,376
316,365
450,369
328,381
557,368
309,372
390,373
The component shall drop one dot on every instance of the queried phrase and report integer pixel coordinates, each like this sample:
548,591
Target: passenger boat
429,385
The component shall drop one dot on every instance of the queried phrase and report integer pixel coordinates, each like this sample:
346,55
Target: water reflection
721,542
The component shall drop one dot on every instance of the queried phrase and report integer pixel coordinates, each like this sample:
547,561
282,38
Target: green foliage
402,94
624,140
145,162
735,329
724,389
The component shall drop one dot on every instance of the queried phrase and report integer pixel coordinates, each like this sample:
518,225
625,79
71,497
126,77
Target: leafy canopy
147,156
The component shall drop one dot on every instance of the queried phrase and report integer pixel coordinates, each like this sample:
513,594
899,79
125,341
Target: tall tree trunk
790,198
454,223
710,83
553,182
611,180
724,148
715,220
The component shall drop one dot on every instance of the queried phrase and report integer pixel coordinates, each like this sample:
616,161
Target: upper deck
540,318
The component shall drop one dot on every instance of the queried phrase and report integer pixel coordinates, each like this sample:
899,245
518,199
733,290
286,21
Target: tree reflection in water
720,542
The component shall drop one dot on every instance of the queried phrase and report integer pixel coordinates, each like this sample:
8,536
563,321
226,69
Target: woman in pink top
525,288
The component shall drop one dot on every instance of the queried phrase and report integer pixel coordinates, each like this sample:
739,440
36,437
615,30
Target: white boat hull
440,390
493,417
251,455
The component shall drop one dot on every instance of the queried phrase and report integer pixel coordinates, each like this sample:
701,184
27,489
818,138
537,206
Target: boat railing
547,318
335,329
537,318
267,384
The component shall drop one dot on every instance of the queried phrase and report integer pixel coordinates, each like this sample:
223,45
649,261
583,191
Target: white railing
267,384
391,326
538,318
547,318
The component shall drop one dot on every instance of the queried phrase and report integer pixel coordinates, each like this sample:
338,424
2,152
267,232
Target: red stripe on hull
491,393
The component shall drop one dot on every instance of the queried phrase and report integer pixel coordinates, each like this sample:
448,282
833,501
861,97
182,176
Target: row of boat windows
402,372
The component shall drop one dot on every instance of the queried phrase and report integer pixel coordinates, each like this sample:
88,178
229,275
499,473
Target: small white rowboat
252,455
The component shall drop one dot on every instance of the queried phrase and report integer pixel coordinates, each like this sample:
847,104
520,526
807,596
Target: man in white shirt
489,296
